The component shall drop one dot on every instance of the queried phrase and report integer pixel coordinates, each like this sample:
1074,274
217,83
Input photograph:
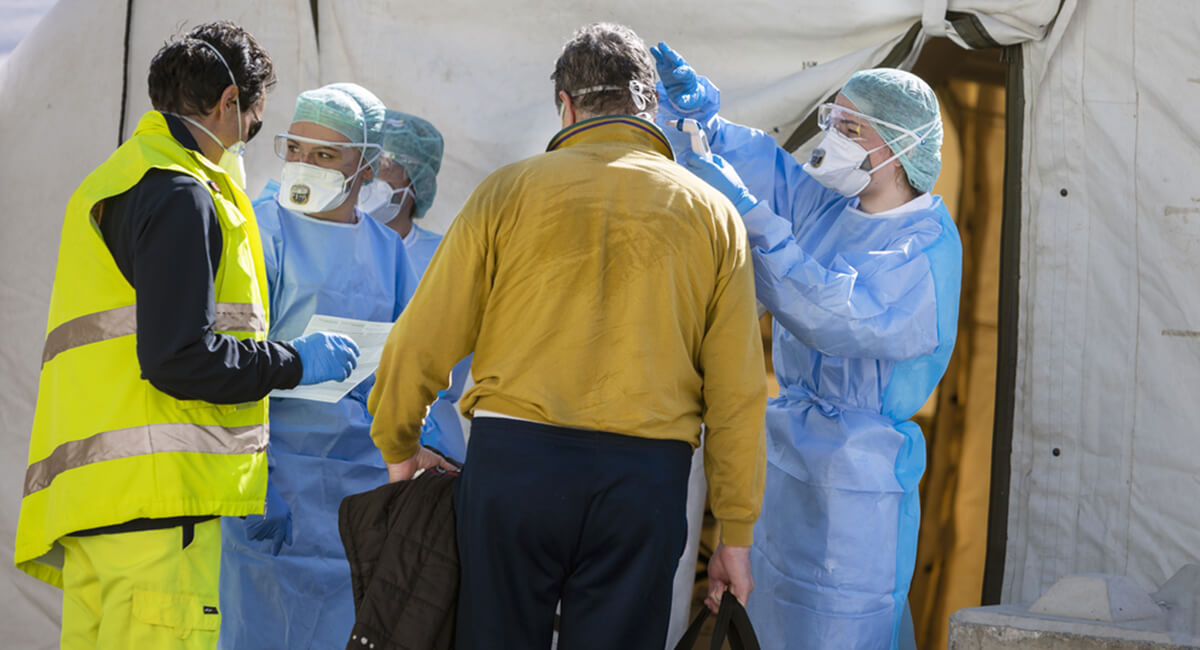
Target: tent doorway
958,419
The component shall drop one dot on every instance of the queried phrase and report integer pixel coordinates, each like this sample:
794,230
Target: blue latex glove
678,78
274,524
721,175
325,357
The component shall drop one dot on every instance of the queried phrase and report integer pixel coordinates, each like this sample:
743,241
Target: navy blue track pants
596,520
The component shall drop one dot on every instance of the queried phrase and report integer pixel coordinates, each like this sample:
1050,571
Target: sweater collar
613,128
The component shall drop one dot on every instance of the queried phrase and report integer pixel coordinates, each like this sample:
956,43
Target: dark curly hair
187,77
605,54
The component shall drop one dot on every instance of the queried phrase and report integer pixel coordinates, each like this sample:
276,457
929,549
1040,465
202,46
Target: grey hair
610,62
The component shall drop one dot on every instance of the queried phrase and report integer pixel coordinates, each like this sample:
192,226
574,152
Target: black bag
732,624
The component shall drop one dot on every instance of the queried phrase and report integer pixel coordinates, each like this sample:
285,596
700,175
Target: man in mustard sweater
608,297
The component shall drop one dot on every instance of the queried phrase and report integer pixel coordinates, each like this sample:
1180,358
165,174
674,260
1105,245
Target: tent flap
1104,453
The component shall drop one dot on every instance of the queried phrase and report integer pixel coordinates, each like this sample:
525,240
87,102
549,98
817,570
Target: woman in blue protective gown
285,581
860,267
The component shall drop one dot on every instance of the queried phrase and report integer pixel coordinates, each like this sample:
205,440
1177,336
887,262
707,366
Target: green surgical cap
347,108
903,99
417,146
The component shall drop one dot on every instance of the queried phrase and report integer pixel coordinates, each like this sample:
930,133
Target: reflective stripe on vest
138,441
122,321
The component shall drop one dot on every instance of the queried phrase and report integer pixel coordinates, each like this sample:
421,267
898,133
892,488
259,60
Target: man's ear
228,102
568,109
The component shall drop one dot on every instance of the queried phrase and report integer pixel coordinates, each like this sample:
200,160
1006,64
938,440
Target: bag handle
732,623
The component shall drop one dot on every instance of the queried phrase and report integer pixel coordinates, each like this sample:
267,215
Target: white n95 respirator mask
840,164
379,200
311,189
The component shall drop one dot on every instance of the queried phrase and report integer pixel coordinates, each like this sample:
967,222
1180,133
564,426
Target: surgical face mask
379,200
311,189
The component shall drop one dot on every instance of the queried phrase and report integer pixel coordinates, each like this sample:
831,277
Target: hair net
347,108
417,146
904,99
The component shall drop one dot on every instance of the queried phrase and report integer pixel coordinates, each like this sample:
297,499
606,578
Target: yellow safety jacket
107,446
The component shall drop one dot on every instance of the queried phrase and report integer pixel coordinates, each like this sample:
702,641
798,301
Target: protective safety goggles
326,151
853,124
400,159
392,158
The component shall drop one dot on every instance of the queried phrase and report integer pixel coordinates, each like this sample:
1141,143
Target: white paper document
370,337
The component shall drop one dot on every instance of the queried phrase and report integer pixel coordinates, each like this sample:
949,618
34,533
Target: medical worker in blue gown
403,190
402,193
860,266
285,582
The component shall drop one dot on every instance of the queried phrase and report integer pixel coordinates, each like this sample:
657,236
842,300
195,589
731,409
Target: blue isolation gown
320,452
442,428
865,313
421,244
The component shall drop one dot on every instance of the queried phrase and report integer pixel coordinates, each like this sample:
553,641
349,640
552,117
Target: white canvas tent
1100,321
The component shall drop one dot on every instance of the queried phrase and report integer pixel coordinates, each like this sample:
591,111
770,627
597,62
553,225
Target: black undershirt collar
180,132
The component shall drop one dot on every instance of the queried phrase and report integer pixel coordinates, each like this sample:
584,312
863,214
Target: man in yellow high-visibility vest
151,419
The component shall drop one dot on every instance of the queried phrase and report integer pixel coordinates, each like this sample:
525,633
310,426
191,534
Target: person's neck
887,197
344,213
403,222
402,225
208,147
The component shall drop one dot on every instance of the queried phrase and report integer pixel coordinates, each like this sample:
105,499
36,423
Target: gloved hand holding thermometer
712,168
699,138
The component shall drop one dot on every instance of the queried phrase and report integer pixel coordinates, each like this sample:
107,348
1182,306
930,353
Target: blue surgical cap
903,99
417,146
347,108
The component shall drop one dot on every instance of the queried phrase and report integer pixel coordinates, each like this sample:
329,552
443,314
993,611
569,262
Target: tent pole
125,72
1006,352
312,4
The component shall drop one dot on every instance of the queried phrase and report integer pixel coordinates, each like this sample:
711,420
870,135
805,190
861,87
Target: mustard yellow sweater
600,286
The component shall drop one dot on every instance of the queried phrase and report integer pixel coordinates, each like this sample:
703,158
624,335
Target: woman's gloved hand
682,85
274,524
325,357
721,175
